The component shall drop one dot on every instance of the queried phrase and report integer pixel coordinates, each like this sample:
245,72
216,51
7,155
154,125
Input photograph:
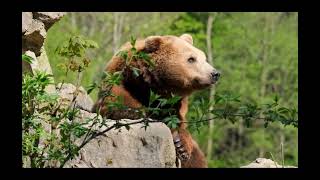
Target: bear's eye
191,60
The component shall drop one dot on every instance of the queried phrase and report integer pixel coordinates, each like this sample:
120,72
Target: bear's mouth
213,82
198,84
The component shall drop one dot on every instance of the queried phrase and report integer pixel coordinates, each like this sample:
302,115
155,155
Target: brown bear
180,68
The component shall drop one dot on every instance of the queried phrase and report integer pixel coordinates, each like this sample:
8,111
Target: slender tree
211,18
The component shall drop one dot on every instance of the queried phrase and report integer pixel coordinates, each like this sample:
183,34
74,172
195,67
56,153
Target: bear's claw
180,150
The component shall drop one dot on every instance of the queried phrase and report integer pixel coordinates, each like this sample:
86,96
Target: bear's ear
187,37
152,43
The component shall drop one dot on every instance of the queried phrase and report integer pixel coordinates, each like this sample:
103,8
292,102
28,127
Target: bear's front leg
183,143
188,151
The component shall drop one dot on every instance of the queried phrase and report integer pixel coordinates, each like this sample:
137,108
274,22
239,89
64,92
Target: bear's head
180,67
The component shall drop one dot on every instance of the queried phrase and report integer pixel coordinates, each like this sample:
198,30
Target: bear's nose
215,75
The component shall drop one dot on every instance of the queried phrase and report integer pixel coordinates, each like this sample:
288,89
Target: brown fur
171,75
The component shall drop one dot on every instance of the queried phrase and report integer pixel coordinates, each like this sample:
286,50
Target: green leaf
132,41
283,110
136,72
163,102
218,112
133,51
92,87
123,54
27,58
173,100
172,121
92,44
217,99
150,62
79,130
153,97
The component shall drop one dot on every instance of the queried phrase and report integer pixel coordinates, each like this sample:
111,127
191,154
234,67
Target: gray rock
44,65
83,100
135,148
34,27
26,67
48,18
26,162
34,37
40,63
26,21
265,163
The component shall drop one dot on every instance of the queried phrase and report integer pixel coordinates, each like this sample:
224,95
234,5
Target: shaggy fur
172,74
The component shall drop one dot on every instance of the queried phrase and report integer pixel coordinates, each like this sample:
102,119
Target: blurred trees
256,53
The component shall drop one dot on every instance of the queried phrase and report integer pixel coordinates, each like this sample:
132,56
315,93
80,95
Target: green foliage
75,46
112,79
227,106
92,87
33,87
189,23
135,56
172,121
27,58
33,99
50,148
74,50
43,147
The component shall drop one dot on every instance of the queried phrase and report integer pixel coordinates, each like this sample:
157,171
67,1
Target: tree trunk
266,53
121,21
267,50
117,29
115,32
93,24
73,19
211,18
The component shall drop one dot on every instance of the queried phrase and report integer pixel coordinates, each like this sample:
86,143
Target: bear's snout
215,76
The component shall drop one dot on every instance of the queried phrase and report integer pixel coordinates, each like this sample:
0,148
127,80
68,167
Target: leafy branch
227,106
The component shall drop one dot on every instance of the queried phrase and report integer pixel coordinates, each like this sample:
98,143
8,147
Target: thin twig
87,134
204,120
113,126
